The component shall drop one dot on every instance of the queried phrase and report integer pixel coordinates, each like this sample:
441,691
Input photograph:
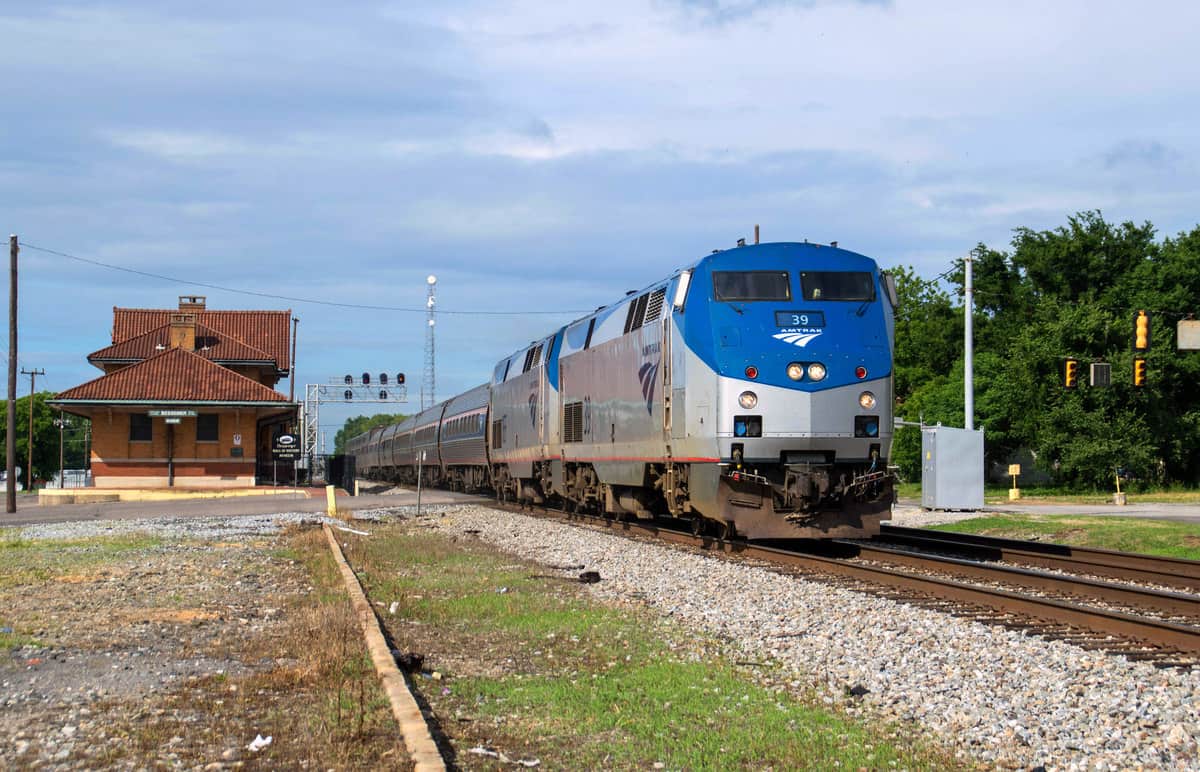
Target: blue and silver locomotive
750,392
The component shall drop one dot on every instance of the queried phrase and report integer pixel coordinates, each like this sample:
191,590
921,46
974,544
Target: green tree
361,423
45,438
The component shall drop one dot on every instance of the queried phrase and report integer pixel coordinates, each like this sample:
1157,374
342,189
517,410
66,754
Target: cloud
177,145
1140,153
730,11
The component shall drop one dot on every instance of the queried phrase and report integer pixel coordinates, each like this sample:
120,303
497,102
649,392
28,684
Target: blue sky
551,155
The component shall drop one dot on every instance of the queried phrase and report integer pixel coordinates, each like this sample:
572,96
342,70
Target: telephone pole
33,374
10,442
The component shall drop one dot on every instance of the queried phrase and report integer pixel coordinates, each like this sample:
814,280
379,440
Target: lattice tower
429,379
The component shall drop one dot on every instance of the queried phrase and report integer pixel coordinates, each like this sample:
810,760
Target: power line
363,307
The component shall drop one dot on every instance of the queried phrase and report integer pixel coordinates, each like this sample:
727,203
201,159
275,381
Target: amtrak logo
796,338
648,375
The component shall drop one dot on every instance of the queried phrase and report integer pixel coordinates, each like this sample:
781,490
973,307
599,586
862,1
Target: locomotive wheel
697,526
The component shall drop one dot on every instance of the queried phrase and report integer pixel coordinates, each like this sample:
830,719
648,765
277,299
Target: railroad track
1090,613
1146,569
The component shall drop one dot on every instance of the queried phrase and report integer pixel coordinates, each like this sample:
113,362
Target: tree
45,439
359,424
1068,292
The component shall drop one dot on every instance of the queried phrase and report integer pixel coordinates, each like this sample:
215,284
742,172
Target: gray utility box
951,468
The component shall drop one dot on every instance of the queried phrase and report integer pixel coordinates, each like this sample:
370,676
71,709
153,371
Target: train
750,393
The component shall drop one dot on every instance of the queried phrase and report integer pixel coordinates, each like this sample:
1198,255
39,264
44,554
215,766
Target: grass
27,562
1127,534
1047,494
536,669
306,680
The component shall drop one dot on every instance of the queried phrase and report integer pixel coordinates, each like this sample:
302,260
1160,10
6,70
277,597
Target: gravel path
994,694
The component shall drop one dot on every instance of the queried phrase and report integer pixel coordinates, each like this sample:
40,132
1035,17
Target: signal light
1070,373
1139,373
349,395
751,372
1141,331
366,379
399,378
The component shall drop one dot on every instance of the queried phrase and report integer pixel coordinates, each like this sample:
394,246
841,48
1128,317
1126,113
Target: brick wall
118,462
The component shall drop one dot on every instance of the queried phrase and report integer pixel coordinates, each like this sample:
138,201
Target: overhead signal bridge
365,389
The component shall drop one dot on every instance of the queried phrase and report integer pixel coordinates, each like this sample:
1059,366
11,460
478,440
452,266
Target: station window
140,428
208,428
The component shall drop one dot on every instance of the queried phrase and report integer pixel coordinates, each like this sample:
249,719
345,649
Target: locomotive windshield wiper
863,308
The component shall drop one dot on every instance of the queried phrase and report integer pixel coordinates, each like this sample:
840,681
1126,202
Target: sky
549,156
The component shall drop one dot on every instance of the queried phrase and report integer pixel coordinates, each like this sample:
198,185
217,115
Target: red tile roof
174,375
210,343
266,330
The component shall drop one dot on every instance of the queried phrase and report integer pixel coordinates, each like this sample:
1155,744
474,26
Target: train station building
187,398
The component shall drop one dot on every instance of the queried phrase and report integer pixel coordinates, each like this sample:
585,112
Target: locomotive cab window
751,285
837,285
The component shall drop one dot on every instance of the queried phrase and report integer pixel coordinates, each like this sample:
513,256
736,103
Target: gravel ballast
992,694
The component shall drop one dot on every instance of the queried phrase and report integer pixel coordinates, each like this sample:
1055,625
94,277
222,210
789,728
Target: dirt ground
169,653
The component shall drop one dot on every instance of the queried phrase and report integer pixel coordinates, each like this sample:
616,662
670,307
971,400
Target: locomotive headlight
816,371
748,400
795,371
866,400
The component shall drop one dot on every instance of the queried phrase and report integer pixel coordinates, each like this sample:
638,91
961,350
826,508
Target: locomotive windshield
837,285
752,285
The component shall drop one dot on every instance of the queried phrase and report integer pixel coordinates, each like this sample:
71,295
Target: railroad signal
1070,373
399,378
1141,331
1139,372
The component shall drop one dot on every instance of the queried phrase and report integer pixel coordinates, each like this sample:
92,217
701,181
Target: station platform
49,496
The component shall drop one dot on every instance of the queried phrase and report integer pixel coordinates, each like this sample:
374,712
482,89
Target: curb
413,730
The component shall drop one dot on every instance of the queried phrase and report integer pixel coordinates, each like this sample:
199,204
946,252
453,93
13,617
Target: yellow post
330,503
1014,493
1118,497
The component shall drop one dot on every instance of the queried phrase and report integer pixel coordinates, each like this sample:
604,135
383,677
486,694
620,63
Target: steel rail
1142,597
1151,569
1155,632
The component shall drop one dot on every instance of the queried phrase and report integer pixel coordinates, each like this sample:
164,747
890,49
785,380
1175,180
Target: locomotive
750,392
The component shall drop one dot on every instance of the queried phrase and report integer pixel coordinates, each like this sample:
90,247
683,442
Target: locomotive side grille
498,434
573,422
637,314
654,307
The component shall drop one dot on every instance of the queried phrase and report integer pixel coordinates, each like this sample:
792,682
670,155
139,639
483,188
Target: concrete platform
50,496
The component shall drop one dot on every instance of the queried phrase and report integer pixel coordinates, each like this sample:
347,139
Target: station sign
172,413
286,446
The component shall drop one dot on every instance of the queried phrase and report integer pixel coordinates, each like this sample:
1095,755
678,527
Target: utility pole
60,423
10,442
33,374
969,355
